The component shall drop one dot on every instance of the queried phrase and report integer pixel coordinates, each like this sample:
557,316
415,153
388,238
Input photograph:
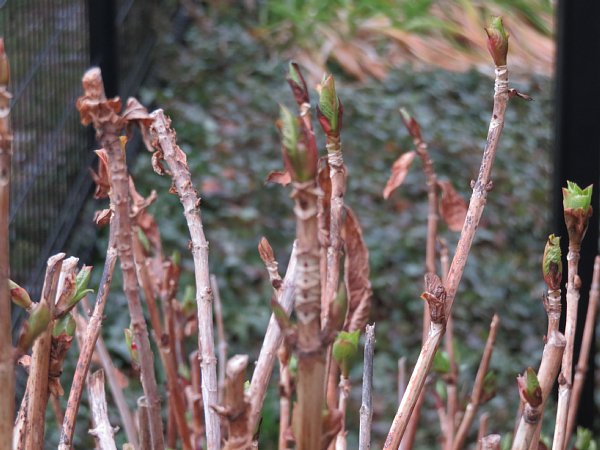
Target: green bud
19,296
36,324
297,84
345,348
329,110
299,148
65,325
132,346
529,387
497,42
584,441
189,304
574,197
411,124
552,263
441,362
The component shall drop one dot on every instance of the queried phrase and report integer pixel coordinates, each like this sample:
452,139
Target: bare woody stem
366,407
474,213
584,353
103,432
37,384
565,378
271,343
96,109
7,370
476,394
176,159
311,352
482,431
285,395
222,342
549,367
87,349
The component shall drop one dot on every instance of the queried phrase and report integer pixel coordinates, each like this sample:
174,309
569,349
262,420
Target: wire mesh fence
50,43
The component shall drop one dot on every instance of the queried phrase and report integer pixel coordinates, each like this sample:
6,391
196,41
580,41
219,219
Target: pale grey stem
366,407
103,432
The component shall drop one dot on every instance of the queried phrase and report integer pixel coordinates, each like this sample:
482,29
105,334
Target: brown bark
164,137
103,114
7,369
474,213
37,384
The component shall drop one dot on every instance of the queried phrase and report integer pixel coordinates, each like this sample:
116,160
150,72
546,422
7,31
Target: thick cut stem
103,432
37,384
551,360
310,348
474,213
87,349
271,343
182,181
366,407
7,369
476,394
95,108
565,378
584,352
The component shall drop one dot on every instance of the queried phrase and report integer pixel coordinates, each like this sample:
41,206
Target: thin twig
37,384
476,394
102,113
164,137
271,342
549,367
584,352
222,342
474,213
344,386
103,432
285,395
482,431
7,369
401,378
87,348
366,407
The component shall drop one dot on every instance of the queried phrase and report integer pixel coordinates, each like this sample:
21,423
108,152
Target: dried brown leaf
135,111
102,178
279,177
453,208
102,217
356,274
399,172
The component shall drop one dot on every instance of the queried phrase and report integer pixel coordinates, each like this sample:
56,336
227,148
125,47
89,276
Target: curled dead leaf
279,177
102,178
399,172
453,208
356,274
102,217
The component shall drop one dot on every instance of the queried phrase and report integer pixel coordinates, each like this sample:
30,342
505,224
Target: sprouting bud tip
497,42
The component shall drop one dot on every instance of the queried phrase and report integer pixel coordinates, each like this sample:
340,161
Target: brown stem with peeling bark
476,394
584,353
87,348
102,113
474,213
37,384
7,368
164,137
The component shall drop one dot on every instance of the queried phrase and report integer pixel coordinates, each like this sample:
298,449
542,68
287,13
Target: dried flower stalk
477,392
168,149
476,205
103,432
96,109
7,371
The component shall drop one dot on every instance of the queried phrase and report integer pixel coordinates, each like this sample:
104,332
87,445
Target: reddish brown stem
476,394
474,213
164,136
586,343
87,348
95,108
37,384
7,370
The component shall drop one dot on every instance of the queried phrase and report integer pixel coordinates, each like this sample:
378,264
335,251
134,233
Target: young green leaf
64,326
345,348
529,387
574,197
441,362
329,110
552,263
